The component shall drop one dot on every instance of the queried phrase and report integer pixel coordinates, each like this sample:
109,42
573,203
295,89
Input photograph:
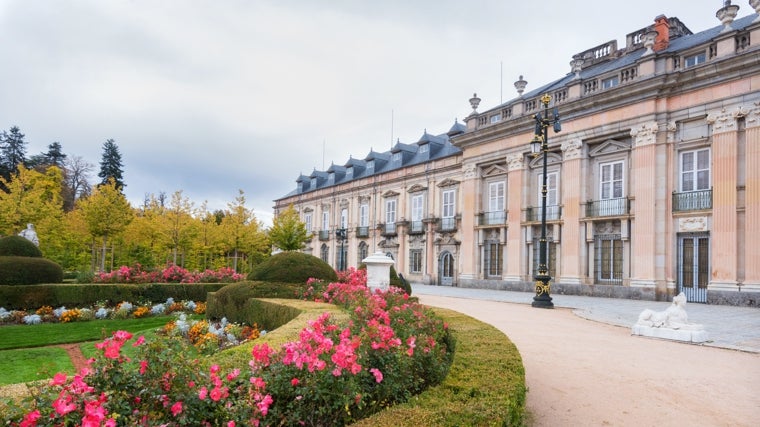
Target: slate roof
411,155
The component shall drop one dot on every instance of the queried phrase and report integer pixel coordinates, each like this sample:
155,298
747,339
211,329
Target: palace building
653,182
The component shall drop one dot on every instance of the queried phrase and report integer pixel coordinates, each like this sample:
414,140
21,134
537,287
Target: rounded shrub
18,246
18,270
293,267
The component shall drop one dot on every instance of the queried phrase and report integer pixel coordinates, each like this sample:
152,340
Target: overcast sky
210,97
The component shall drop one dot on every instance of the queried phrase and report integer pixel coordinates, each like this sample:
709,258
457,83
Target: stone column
570,185
644,188
514,242
723,260
467,207
752,201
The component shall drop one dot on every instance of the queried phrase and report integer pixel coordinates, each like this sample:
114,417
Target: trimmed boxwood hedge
77,295
232,301
293,267
21,270
19,246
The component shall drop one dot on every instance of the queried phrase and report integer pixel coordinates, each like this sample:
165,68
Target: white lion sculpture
673,318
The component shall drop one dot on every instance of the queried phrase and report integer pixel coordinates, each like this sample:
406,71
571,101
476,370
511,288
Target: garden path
76,355
584,373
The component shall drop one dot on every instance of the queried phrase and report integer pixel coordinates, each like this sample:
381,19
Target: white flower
126,306
169,301
102,313
158,309
190,305
59,311
33,319
4,313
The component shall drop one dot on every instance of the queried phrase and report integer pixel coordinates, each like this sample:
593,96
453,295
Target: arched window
324,253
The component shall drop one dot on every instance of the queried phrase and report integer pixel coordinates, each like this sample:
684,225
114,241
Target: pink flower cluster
170,274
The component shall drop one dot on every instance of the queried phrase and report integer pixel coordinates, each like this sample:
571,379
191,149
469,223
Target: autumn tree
111,165
76,178
242,232
31,197
106,213
179,220
288,232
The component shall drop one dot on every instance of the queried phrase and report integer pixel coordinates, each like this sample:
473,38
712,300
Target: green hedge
30,297
293,267
21,270
19,246
231,301
485,385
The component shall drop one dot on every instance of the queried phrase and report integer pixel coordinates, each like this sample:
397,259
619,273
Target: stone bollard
378,271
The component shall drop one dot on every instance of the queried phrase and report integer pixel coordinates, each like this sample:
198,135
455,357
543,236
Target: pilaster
468,195
644,189
751,248
571,184
514,243
723,261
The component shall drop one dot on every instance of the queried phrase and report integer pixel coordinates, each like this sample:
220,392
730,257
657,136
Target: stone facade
653,181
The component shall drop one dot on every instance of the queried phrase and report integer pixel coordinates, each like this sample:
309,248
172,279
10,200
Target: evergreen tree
54,156
111,166
12,152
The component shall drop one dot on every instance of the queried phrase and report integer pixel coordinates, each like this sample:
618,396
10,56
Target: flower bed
332,375
170,274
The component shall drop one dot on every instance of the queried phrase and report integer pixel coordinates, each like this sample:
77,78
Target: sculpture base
542,301
685,335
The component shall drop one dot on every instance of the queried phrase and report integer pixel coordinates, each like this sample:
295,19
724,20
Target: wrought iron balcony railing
607,207
416,227
692,200
362,231
492,218
553,213
447,224
388,229
324,235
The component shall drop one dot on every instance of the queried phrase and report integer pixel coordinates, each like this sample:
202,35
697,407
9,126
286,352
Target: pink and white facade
653,182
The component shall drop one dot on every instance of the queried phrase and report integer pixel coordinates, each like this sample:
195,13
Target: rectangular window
693,60
396,157
552,188
609,258
415,261
349,172
343,218
492,259
447,205
424,148
307,221
610,82
370,166
325,220
695,170
364,215
313,183
417,207
611,181
496,196
331,178
390,211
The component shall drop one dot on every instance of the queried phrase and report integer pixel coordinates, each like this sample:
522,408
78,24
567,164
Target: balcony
692,200
492,218
416,227
447,224
607,207
362,231
388,229
553,213
324,235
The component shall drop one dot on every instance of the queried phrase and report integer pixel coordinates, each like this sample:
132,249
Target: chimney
663,33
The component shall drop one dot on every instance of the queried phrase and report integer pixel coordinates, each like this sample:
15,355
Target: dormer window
331,178
610,82
693,60
370,165
314,182
424,148
350,172
396,157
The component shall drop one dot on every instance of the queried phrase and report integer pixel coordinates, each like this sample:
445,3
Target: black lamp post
540,145
342,235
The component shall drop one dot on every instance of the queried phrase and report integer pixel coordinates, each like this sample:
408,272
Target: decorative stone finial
577,65
474,102
520,86
755,4
726,14
649,39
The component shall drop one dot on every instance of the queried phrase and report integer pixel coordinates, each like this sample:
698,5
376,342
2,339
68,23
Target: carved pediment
344,203
363,199
448,182
390,193
552,158
308,209
493,170
416,188
609,146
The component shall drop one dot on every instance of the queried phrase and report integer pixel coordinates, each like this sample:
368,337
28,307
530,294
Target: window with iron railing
608,262
553,213
362,231
607,207
324,234
692,200
416,227
492,218
447,224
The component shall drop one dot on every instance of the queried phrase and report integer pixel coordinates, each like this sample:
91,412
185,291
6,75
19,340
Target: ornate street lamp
342,235
540,145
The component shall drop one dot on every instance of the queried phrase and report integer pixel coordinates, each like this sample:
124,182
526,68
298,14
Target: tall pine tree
111,166
12,152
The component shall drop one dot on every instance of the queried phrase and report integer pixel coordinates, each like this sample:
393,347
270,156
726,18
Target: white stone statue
29,234
672,323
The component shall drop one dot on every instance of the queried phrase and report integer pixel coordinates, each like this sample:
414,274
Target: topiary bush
19,270
293,267
18,246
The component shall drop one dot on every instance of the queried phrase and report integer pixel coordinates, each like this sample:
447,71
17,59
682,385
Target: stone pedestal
378,271
698,336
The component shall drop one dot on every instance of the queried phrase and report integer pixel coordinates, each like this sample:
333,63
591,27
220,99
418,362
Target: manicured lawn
25,336
31,364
